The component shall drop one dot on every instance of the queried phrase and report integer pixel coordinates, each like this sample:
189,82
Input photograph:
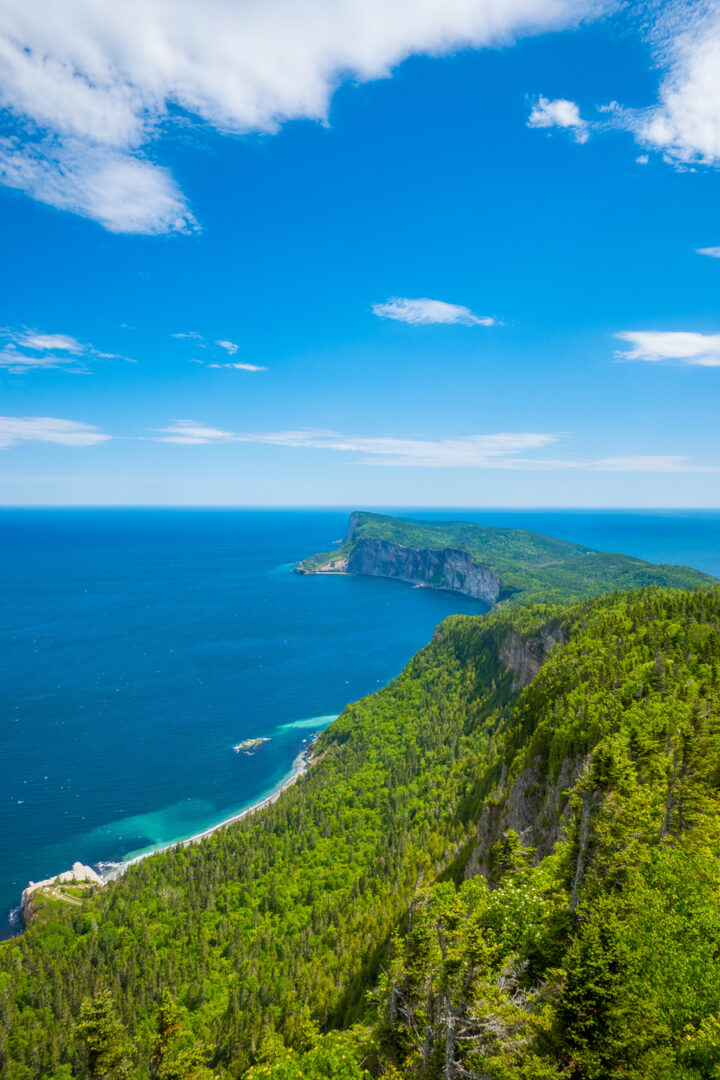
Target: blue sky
452,254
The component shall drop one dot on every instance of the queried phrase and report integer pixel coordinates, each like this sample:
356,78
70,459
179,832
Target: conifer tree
104,1038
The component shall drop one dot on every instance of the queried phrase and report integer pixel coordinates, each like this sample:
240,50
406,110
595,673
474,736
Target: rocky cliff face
533,804
447,568
525,657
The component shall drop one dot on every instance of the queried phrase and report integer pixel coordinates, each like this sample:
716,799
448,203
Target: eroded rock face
535,807
526,656
447,568
534,804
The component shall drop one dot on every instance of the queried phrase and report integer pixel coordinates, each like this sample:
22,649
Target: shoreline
113,871
300,766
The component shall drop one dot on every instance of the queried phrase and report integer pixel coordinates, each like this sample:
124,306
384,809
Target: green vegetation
530,568
336,934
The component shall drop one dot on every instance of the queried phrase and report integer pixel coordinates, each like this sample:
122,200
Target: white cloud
558,113
657,345
121,191
91,84
422,312
19,429
685,124
713,252
31,339
27,350
229,346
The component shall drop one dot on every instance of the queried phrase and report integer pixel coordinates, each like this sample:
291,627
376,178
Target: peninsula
493,565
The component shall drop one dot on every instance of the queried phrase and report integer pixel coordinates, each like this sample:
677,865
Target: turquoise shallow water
139,646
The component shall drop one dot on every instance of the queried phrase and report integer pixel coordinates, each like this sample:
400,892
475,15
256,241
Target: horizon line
348,506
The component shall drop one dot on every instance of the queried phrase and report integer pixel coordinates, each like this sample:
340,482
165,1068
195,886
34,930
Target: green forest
530,567
504,864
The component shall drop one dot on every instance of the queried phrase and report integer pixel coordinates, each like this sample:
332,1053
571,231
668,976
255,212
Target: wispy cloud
28,350
472,450
239,366
423,312
229,346
655,463
713,252
191,335
654,346
19,363
192,433
559,113
89,92
47,429
504,450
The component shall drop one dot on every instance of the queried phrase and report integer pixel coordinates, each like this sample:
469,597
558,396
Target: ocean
140,646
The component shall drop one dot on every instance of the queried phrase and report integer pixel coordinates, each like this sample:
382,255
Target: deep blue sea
140,645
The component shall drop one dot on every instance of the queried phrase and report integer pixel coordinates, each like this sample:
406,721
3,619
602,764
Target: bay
140,646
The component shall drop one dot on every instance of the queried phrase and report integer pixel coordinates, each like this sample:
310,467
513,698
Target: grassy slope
530,567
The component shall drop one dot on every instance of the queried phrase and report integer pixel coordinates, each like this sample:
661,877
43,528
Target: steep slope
489,564
594,727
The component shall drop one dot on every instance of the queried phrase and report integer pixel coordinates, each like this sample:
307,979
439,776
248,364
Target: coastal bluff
53,889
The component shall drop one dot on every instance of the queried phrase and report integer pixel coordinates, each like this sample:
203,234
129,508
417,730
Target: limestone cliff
446,568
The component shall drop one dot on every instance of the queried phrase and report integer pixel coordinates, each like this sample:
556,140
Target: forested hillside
505,864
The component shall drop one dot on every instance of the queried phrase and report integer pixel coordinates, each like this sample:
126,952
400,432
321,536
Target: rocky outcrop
79,875
534,804
525,656
445,568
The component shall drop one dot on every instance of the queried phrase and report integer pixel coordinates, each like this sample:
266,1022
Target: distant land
495,565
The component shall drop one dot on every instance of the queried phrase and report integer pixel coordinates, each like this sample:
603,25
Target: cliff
447,568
